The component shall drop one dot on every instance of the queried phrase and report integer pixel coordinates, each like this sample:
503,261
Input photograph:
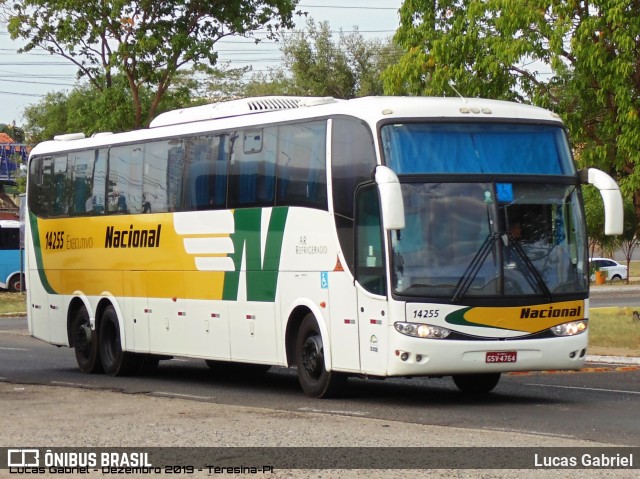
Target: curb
613,359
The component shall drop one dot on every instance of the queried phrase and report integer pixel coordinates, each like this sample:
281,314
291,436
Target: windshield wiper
537,280
476,263
530,272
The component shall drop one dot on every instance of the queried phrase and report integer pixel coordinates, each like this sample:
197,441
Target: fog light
418,358
572,354
404,356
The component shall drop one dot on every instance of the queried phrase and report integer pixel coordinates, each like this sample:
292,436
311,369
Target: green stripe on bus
37,250
261,273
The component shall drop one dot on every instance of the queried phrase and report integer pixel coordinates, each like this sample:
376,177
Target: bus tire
85,343
315,380
16,283
115,361
476,383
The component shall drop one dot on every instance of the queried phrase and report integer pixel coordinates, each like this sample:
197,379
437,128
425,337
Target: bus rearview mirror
391,201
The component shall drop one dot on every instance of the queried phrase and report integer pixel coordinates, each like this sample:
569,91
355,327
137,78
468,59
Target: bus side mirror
390,198
611,197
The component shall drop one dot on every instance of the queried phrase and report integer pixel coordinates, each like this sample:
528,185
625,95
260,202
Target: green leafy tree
318,64
88,110
578,58
146,42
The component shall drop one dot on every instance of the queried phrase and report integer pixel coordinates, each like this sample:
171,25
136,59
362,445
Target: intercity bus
10,256
375,237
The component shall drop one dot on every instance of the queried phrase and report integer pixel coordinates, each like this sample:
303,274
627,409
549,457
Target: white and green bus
373,237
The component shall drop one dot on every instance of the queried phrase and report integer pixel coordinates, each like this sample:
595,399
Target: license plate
502,357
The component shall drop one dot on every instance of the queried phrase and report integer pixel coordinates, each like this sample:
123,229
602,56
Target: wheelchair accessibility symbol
324,280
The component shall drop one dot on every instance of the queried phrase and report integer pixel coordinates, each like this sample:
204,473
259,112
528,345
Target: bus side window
205,178
370,272
302,177
353,160
62,188
99,189
252,176
81,167
161,161
9,238
125,179
40,173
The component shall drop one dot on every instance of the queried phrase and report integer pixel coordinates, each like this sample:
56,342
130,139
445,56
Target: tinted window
353,161
205,172
9,238
302,177
414,148
370,271
81,165
162,160
253,168
124,190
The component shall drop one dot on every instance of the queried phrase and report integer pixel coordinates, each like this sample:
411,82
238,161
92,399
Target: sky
26,78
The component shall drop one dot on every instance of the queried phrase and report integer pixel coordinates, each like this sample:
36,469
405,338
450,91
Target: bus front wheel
115,361
85,343
476,383
315,380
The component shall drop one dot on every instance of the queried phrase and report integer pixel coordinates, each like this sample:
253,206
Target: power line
20,94
348,7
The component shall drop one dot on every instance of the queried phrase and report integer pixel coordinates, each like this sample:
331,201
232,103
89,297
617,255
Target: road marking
584,389
330,411
13,349
184,396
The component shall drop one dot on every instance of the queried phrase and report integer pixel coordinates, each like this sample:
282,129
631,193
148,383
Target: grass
614,328
13,302
634,268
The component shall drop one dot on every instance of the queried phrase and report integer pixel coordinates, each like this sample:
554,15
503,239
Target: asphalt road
598,404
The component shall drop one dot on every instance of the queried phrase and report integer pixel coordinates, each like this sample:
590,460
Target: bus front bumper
425,357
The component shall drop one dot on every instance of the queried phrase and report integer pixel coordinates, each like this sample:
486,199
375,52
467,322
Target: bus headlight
418,330
570,329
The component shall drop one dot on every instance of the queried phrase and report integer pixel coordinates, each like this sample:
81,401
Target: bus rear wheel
315,380
85,343
476,383
115,361
16,283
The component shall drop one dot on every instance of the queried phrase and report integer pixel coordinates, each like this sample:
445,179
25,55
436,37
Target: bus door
373,311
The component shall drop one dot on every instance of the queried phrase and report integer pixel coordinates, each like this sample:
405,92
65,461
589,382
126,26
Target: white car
615,271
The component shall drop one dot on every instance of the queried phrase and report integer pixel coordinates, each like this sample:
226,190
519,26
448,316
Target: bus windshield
476,148
466,240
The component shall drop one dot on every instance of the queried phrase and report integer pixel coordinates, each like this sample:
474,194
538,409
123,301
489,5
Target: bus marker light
323,304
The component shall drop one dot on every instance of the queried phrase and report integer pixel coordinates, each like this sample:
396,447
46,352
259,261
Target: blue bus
10,271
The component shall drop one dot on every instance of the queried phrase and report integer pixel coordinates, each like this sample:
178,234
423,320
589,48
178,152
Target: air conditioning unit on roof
230,108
